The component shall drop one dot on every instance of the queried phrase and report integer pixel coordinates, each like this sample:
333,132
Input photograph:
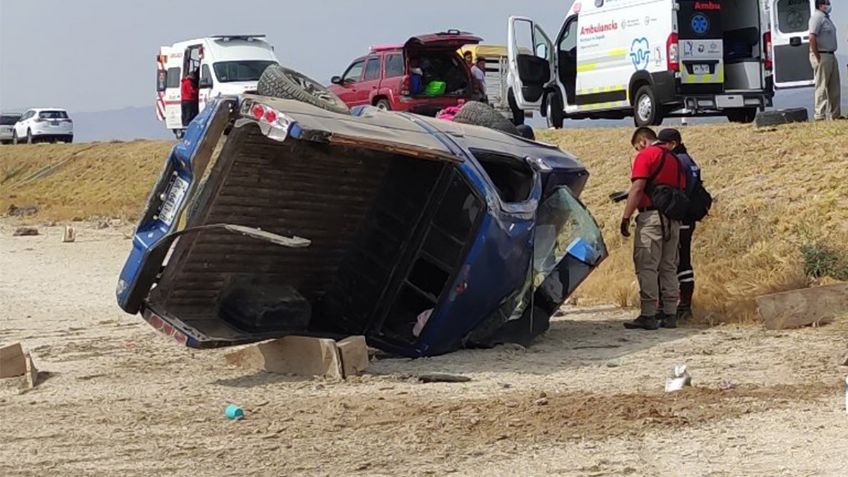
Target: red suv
386,76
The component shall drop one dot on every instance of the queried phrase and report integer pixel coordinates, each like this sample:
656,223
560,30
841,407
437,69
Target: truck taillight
404,86
672,47
768,62
272,123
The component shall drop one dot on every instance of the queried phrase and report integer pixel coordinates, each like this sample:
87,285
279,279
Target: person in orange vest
189,97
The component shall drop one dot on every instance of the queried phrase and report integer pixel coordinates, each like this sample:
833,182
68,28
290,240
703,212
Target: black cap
668,135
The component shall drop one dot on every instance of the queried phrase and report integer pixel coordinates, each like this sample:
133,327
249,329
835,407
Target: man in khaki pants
822,48
655,246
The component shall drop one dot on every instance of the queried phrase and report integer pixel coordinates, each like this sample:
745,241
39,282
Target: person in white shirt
479,73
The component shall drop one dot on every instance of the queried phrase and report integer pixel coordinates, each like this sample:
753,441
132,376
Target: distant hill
140,122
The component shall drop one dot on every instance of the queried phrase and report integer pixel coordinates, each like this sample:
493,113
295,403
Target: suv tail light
672,48
404,86
767,59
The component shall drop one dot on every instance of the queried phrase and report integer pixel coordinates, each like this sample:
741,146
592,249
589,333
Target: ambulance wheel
280,82
555,111
646,111
742,115
517,113
179,133
481,114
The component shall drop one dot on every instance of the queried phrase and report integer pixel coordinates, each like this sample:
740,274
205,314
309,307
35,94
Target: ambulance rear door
168,76
790,36
701,42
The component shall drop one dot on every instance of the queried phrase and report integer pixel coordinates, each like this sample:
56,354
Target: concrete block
797,308
31,372
12,361
354,353
298,355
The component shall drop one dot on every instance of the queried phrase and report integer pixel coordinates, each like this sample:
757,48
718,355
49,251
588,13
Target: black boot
643,323
667,321
684,313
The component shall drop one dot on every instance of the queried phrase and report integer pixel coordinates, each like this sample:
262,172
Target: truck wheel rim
381,105
645,108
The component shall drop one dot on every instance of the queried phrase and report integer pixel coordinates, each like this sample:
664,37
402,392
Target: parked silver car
7,123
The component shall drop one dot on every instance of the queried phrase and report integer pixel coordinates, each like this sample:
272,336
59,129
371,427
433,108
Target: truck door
790,23
531,62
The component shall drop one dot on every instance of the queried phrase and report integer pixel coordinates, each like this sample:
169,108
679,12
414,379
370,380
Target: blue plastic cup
234,412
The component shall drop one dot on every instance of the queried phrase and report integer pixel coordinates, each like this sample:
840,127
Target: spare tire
480,114
782,116
281,82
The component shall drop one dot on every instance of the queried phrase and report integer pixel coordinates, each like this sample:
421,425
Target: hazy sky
91,55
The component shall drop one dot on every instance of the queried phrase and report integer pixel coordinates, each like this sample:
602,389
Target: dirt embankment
80,181
779,221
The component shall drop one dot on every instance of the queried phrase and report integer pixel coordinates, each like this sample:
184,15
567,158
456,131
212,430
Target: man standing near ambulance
655,246
823,59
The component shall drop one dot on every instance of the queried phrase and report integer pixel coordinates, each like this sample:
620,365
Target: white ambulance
652,59
227,64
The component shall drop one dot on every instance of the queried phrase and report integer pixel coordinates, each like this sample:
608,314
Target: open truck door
790,20
531,62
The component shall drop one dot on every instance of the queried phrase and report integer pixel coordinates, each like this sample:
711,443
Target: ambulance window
205,76
173,77
793,16
569,38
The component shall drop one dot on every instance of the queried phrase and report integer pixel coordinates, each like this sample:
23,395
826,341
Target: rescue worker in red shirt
189,97
655,246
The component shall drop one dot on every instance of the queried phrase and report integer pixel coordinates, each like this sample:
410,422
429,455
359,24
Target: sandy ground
115,398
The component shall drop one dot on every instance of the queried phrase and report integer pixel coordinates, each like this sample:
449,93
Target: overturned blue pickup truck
423,235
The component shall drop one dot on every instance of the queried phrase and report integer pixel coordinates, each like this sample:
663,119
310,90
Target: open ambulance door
531,62
168,76
790,20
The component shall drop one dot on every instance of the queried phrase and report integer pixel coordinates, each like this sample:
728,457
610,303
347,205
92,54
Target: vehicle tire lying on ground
782,116
480,114
281,82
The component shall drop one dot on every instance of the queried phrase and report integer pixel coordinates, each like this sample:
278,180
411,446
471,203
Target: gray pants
828,95
655,255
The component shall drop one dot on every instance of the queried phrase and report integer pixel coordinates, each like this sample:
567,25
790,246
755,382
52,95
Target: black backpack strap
657,172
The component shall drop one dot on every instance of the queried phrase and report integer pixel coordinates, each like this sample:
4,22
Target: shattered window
564,227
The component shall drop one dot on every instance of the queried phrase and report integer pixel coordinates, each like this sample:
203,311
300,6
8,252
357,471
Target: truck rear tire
281,82
480,114
555,114
742,115
646,111
384,105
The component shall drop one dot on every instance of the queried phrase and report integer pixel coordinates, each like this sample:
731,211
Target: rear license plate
701,69
730,101
54,123
173,200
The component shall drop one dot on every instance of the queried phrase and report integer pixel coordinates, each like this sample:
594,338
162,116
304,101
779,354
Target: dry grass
80,181
776,191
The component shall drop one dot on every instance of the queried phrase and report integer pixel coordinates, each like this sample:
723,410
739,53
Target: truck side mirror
205,82
336,80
